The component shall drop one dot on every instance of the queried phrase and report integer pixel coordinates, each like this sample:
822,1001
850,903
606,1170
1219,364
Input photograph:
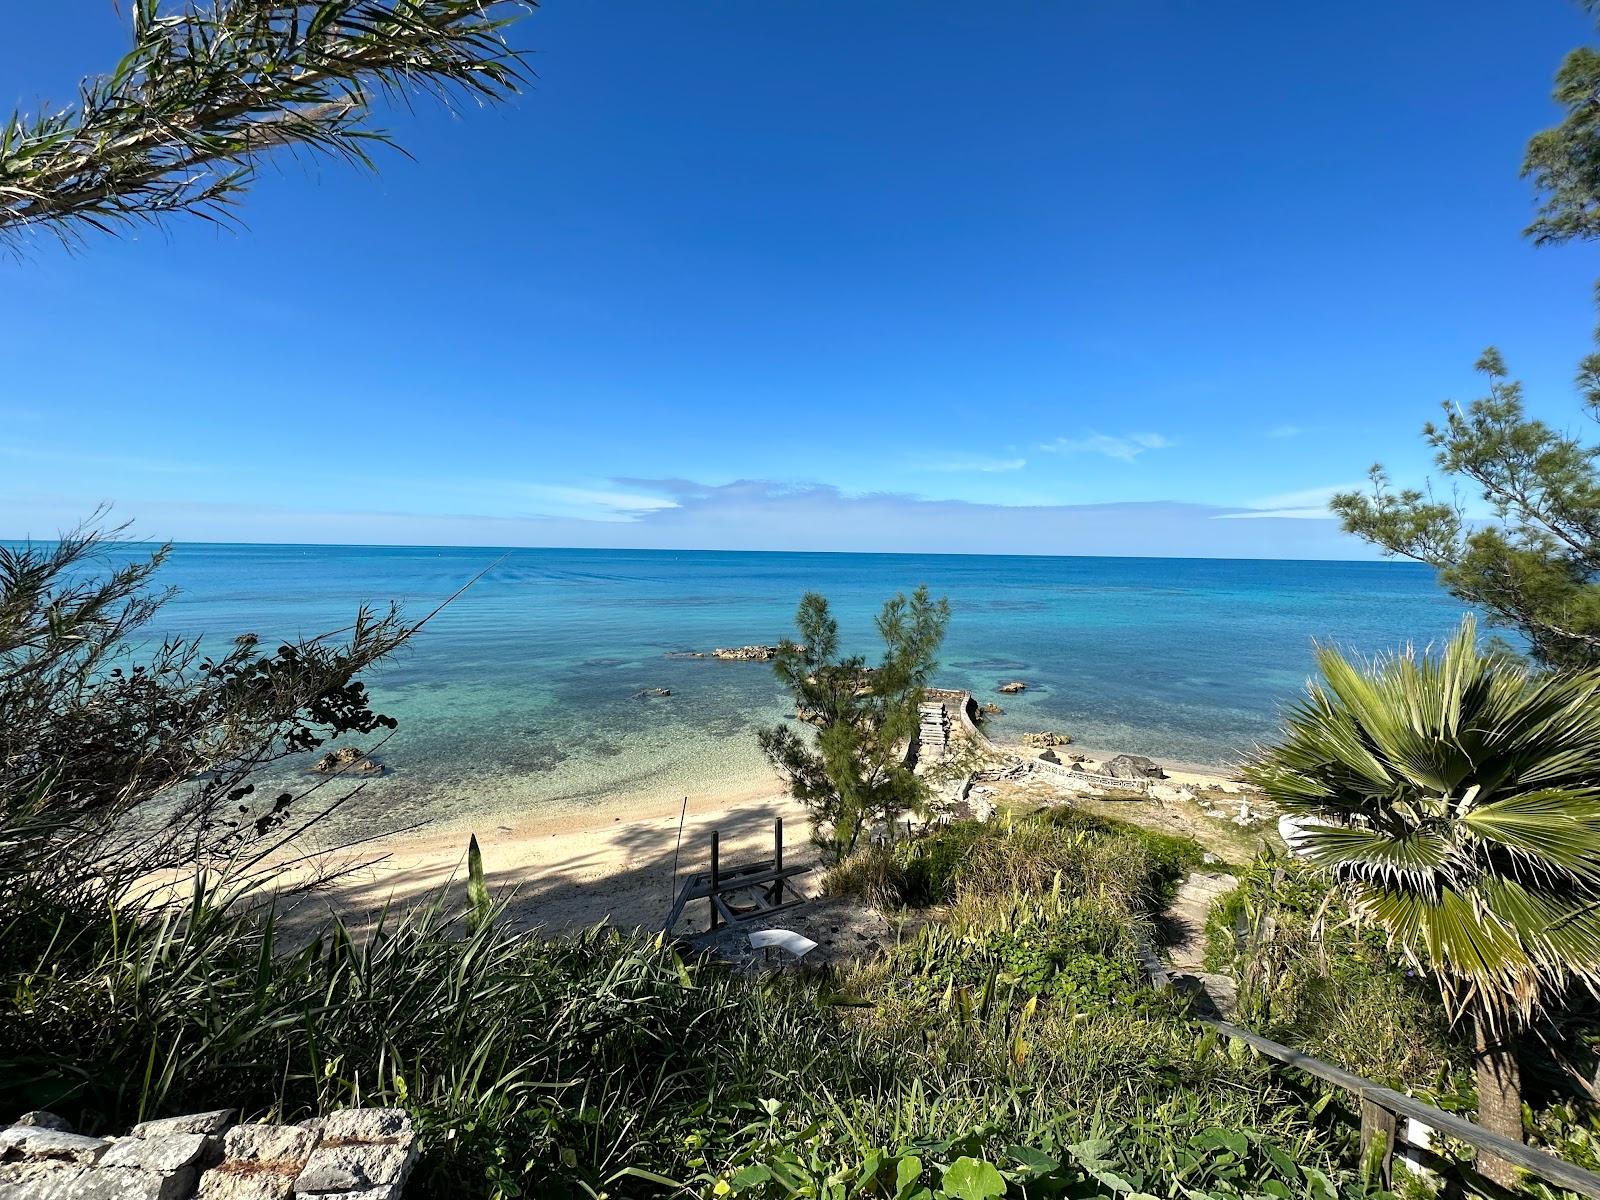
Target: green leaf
973,1179
477,890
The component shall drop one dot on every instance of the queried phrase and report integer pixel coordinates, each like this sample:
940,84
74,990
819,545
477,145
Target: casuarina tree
851,774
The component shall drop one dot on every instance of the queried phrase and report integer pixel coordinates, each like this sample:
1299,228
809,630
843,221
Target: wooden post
1376,1122
716,880
775,892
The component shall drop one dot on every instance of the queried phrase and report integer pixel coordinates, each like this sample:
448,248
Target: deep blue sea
520,697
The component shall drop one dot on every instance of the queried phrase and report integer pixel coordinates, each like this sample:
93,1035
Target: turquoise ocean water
519,699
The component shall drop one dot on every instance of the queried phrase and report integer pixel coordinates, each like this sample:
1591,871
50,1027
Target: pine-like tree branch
180,123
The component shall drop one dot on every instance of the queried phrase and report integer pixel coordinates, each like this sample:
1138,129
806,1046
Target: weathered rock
992,710
745,653
1132,766
654,693
131,1183
260,1162
365,1151
1012,688
1046,739
43,1179
207,1122
353,1168
239,1181
161,1153
44,1120
36,1142
269,1144
389,1125
347,758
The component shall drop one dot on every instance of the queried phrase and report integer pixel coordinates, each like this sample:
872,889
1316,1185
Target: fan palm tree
1461,795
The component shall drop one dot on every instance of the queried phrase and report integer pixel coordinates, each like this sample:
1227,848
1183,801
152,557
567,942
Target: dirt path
1183,929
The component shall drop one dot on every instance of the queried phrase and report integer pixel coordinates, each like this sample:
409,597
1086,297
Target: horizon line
157,542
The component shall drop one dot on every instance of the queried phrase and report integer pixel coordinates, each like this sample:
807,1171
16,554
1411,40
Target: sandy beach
571,873
616,864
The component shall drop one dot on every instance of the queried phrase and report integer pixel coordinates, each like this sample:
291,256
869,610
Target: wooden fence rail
1381,1107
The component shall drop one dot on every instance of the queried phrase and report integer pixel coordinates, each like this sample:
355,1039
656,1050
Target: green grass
1009,1045
1133,867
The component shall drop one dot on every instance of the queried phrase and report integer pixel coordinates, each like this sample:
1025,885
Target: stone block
247,1181
269,1143
131,1183
43,1179
367,1125
44,1120
163,1154
34,1141
207,1122
354,1168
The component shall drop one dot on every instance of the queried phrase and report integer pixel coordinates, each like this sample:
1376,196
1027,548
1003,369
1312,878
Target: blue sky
1072,278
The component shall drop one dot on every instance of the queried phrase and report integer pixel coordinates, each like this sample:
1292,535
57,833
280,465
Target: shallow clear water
519,698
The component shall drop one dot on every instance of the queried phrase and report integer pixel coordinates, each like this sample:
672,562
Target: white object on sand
783,939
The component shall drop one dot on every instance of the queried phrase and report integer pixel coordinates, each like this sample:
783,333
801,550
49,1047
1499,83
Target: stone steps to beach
933,729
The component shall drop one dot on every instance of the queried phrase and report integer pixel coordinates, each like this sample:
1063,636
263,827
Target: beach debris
1044,739
652,693
351,758
1132,766
1012,688
745,653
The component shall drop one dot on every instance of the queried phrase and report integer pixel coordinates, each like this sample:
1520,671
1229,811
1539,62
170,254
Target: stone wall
357,1154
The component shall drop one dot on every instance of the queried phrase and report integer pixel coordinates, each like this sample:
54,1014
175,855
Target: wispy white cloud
748,514
594,504
961,463
1124,449
1305,505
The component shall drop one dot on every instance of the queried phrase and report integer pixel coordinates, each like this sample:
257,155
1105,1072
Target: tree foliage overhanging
121,758
180,123
1534,564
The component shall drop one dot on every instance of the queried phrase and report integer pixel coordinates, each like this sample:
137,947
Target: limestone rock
236,1182
1132,766
44,1179
745,653
162,1153
40,1119
368,1125
351,758
207,1122
36,1142
654,693
1012,688
1045,739
269,1144
132,1183
353,1168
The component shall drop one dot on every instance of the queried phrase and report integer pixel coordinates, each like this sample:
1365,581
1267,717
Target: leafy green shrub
1130,866
1309,977
1025,946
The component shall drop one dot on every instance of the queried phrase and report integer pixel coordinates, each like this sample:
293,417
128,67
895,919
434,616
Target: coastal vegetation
1006,1042
1457,810
853,775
